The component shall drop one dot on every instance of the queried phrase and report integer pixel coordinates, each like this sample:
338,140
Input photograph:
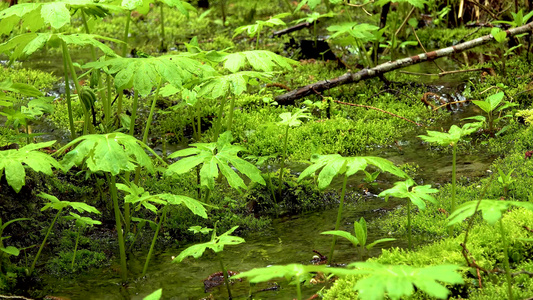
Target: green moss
43,81
484,246
85,260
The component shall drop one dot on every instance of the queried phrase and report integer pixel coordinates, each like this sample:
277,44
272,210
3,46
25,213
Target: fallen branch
293,28
288,98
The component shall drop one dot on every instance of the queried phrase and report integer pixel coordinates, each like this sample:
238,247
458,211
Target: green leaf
218,86
259,60
335,164
216,157
11,250
452,137
371,245
144,74
216,244
343,234
11,161
407,189
59,205
360,231
491,210
293,120
195,206
397,281
155,295
113,152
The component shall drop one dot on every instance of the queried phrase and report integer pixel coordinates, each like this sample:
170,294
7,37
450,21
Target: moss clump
484,246
85,260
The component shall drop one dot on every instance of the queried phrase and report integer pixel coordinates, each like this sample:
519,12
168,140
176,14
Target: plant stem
163,47
44,241
75,248
225,274
410,243
107,108
218,125
134,112
454,155
506,262
118,227
126,33
223,11
199,131
67,91
257,40
151,115
230,114
338,223
280,184
152,246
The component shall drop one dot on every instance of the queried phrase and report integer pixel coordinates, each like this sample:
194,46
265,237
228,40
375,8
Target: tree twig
378,109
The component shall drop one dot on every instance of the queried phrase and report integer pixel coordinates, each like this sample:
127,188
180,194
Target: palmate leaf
216,157
143,74
452,137
12,163
235,83
195,206
335,164
216,244
54,14
398,281
293,120
143,6
258,60
58,205
82,221
491,210
113,152
361,31
136,195
416,193
24,45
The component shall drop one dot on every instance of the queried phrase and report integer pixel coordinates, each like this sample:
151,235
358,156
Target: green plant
216,244
491,105
289,120
59,206
138,196
145,74
491,211
216,157
155,295
82,223
313,19
112,154
506,180
454,135
361,33
415,193
360,238
9,250
220,86
396,281
255,29
296,273
11,162
333,165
